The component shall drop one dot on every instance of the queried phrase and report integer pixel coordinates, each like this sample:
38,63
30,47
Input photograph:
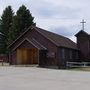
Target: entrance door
27,56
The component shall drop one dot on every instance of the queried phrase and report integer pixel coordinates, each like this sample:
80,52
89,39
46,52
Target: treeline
13,24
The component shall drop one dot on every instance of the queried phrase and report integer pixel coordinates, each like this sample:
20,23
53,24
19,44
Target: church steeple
83,43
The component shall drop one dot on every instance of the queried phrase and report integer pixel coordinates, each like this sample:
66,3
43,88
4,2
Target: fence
78,64
3,58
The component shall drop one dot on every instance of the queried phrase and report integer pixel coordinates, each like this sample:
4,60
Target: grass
71,69
4,64
80,69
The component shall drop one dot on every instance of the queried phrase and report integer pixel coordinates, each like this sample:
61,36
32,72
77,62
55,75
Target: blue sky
59,16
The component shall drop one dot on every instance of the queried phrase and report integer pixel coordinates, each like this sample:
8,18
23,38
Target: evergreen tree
0,25
2,40
22,20
13,34
6,24
11,26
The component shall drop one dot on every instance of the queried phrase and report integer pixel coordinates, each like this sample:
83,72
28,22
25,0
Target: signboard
51,54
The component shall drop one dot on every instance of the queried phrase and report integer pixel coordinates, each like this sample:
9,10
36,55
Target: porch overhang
33,42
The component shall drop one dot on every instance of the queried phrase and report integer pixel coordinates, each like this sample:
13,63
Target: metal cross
83,22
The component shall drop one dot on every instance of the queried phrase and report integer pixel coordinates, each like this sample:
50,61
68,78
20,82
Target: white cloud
55,14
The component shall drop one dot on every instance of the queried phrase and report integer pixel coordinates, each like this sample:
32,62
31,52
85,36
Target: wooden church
38,46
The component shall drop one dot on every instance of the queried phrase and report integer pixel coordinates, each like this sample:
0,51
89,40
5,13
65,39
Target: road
33,78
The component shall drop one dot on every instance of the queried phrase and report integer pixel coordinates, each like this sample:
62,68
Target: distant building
38,46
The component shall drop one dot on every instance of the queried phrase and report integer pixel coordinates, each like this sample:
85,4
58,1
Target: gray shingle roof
58,39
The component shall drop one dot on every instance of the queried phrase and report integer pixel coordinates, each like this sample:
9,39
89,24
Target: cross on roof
83,22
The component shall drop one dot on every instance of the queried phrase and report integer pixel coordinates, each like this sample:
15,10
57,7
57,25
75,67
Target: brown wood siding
27,56
12,58
24,54
49,45
45,42
62,61
26,44
42,40
83,44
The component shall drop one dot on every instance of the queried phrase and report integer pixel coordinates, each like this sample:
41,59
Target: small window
63,53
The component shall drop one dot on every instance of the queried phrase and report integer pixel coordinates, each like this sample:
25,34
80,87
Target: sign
51,54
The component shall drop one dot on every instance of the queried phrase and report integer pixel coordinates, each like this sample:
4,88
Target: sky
59,16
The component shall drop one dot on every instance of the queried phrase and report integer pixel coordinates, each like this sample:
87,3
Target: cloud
61,16
48,9
57,12
63,31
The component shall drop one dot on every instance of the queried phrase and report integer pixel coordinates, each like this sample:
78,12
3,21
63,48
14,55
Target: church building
38,46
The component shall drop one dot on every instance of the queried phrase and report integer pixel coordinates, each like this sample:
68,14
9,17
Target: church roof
31,41
80,32
58,40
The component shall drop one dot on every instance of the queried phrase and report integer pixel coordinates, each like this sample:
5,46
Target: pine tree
12,26
0,24
22,20
6,24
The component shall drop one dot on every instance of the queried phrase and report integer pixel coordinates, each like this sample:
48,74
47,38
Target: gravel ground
33,78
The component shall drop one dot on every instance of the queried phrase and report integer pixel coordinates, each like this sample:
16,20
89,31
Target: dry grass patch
81,69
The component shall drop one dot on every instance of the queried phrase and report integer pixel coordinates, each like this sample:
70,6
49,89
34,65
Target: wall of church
83,44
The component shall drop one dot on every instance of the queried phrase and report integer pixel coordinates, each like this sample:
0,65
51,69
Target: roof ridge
52,33
56,34
54,38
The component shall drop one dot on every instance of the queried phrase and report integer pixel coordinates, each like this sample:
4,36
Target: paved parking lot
32,78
